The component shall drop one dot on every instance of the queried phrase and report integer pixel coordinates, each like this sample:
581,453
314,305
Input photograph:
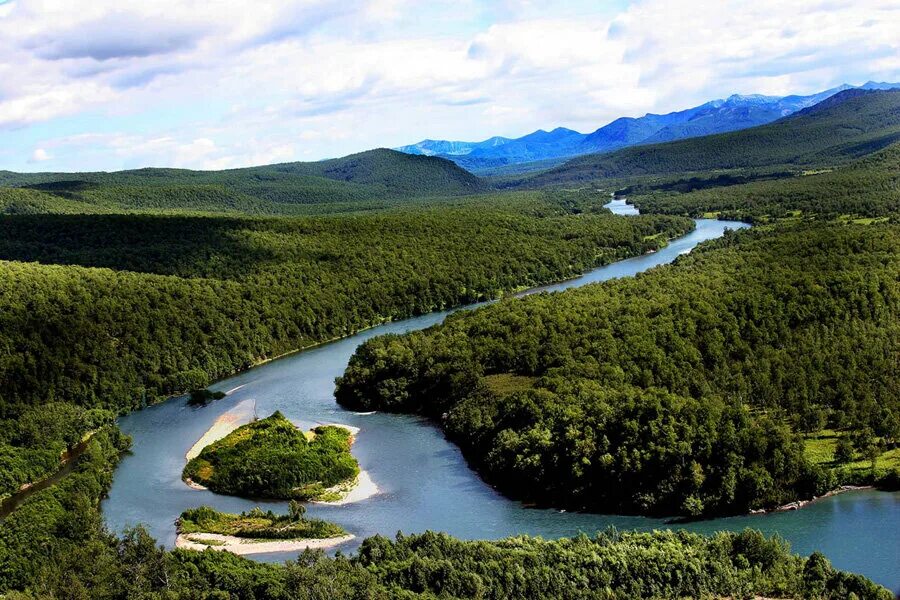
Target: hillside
851,124
866,188
376,176
395,171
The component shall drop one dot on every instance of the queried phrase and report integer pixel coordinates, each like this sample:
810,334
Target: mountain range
717,116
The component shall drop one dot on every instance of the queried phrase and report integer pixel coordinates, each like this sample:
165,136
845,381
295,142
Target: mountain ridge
733,113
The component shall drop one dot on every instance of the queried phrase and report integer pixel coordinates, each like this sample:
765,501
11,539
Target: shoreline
221,427
242,546
361,488
800,504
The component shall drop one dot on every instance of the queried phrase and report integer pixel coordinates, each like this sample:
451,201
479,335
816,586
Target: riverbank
239,415
348,492
11,502
243,546
798,504
361,488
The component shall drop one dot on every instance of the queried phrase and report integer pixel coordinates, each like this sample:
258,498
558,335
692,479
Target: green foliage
256,524
677,391
181,301
32,446
271,458
849,125
204,397
867,188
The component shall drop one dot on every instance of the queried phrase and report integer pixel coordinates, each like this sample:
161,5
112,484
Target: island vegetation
271,458
258,524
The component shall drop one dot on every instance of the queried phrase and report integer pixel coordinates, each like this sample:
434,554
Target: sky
212,84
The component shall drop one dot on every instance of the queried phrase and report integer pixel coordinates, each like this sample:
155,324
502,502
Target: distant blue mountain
718,116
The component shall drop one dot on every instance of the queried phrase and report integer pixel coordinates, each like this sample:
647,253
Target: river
424,481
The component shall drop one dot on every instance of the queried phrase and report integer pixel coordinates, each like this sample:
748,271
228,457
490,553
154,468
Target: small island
272,459
256,531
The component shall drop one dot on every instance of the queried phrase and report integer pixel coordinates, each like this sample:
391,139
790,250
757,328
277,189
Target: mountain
273,189
847,125
445,148
718,116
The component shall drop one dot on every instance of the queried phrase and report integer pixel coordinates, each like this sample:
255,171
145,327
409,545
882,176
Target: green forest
681,391
757,370
367,181
271,458
121,311
867,188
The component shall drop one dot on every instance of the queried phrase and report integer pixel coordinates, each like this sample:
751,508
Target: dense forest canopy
369,180
181,301
868,187
679,391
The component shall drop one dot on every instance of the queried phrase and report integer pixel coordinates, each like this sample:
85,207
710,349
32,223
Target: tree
297,510
843,453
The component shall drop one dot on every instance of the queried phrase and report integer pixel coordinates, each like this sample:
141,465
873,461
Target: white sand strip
237,545
361,489
239,415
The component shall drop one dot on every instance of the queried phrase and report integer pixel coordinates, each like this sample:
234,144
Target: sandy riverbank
237,545
239,415
360,489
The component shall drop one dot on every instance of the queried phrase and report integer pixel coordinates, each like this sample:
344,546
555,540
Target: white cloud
226,83
40,155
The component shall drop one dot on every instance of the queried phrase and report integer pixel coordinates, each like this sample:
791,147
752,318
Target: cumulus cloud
182,84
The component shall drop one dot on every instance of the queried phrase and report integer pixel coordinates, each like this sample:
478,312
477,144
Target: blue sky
113,84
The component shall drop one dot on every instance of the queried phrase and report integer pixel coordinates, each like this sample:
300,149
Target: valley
526,355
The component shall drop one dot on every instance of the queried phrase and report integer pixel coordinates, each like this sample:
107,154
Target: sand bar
237,545
224,425
362,488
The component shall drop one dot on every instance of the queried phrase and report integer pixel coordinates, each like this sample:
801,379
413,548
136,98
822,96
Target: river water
423,480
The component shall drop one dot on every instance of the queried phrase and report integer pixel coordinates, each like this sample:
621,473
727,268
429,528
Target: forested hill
849,125
866,188
377,176
679,391
396,171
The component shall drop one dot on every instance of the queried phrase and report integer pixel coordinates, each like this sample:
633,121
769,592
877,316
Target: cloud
317,78
117,36
40,155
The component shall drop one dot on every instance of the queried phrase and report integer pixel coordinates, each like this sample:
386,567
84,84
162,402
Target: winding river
423,480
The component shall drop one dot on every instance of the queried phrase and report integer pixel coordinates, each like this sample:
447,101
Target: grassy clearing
504,384
820,448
